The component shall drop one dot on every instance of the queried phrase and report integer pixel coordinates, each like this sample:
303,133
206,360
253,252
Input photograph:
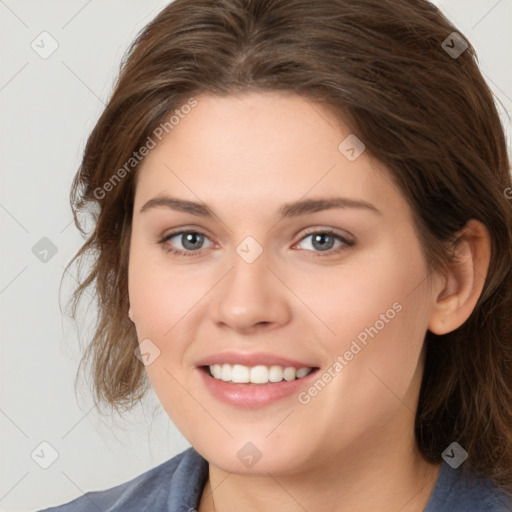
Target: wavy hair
382,66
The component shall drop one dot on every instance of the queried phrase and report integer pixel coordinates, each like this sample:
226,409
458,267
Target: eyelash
346,243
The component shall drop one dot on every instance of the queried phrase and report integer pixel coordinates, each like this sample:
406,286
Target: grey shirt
176,485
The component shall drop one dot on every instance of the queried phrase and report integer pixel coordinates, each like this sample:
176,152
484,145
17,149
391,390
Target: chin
254,458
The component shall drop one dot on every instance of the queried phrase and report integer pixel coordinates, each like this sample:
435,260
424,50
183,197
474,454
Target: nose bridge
250,293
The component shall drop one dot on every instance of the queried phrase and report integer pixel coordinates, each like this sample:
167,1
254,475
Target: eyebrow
287,210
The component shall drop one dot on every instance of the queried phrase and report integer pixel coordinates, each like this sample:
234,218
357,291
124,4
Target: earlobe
458,293
130,314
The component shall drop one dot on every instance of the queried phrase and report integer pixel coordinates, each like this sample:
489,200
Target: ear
130,314
459,290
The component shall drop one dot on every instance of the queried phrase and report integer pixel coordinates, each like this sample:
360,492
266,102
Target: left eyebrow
316,205
295,209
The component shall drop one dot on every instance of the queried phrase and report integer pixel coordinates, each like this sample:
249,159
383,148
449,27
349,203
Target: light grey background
48,107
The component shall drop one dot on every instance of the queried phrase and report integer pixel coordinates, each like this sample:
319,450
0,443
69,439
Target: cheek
377,318
160,294
160,297
368,292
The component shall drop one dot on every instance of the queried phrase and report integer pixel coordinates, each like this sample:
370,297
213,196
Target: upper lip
253,359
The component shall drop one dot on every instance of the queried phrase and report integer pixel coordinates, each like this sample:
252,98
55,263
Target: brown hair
428,116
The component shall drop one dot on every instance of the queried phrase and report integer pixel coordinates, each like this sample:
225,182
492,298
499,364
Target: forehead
258,149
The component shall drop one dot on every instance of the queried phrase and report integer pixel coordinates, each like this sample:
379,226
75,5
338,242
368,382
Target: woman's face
264,282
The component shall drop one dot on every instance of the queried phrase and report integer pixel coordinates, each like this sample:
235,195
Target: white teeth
302,372
256,374
226,372
275,374
259,375
240,374
216,370
289,373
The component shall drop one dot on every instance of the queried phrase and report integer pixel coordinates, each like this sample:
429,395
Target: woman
303,243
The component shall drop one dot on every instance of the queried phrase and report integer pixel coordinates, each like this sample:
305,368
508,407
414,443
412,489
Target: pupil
322,237
189,239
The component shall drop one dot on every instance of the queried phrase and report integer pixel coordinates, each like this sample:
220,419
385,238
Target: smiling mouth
257,375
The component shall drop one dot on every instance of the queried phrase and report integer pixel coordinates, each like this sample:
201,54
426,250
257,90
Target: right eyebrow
172,203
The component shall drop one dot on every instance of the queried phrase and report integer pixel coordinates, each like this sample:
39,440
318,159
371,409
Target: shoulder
458,491
176,484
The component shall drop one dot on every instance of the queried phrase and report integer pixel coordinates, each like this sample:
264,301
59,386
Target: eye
191,242
323,241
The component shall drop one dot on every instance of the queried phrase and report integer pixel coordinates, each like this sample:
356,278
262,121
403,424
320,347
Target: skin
352,446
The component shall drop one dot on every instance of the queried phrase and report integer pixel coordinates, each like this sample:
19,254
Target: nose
252,297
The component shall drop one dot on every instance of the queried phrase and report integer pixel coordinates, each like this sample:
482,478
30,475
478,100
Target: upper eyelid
182,231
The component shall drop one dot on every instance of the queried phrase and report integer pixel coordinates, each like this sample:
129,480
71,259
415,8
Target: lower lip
253,396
